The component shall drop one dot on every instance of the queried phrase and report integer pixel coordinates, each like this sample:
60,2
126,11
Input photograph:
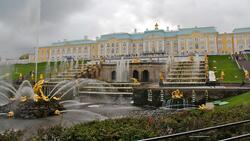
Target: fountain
177,101
27,101
122,70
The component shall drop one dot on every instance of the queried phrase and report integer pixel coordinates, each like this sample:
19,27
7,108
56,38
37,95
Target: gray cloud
18,26
72,19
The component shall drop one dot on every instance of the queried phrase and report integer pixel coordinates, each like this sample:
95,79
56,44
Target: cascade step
186,73
105,93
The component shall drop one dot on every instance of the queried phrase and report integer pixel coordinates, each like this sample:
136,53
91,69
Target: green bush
11,135
128,129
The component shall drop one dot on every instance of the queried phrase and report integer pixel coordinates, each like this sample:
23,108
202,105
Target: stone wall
140,94
153,69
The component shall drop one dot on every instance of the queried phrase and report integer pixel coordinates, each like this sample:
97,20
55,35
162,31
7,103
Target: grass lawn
229,66
248,56
243,99
25,69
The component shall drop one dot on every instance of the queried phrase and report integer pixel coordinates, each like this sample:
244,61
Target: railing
236,61
246,57
10,62
202,130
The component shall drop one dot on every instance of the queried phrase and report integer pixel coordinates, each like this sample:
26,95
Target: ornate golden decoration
177,94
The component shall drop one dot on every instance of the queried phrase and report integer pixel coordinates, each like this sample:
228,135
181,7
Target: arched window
136,74
113,75
145,76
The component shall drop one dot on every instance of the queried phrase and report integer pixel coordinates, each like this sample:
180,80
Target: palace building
156,42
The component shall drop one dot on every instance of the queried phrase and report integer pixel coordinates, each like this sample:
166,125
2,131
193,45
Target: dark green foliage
24,56
108,130
30,109
11,135
127,129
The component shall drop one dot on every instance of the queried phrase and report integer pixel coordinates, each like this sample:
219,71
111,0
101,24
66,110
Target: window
211,38
152,44
219,45
134,49
196,46
112,44
168,43
240,46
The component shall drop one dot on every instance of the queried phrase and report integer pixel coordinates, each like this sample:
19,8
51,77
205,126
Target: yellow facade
43,54
183,42
242,41
201,43
225,43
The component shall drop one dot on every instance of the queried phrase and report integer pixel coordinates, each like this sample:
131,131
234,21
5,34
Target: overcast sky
73,19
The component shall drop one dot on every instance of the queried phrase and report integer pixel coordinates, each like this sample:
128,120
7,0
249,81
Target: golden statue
222,74
161,76
246,74
202,107
57,112
191,58
135,81
10,114
32,77
38,90
136,60
23,98
206,58
177,94
20,76
102,60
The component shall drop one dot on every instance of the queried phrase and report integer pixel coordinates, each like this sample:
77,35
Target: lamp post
37,39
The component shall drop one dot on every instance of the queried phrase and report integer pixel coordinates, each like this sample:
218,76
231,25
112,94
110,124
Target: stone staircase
73,72
243,61
185,73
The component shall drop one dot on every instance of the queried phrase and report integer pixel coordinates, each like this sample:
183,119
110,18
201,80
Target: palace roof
73,42
142,35
241,30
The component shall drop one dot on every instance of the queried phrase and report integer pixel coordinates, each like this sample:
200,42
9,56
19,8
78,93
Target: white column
127,46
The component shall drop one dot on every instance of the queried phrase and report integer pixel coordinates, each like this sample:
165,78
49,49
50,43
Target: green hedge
127,129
